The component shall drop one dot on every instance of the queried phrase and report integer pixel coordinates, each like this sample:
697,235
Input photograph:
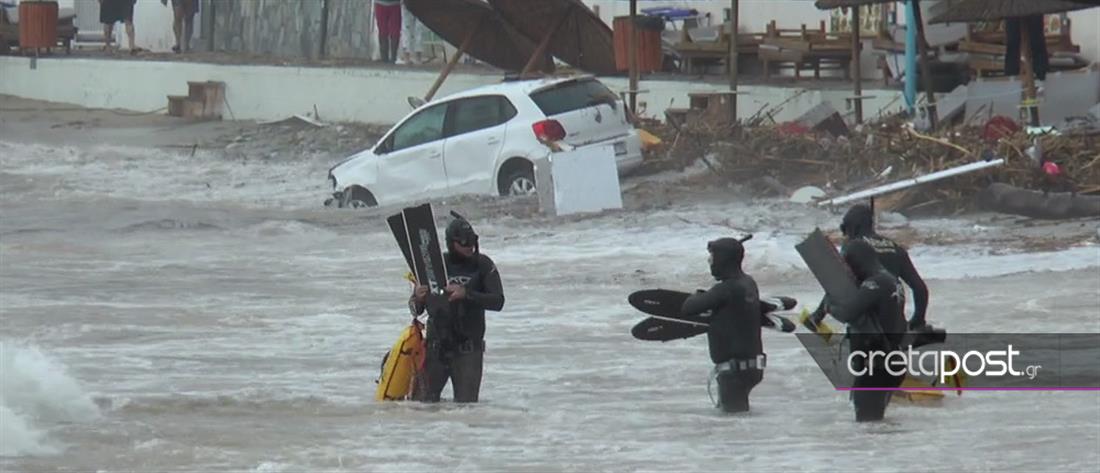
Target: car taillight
549,131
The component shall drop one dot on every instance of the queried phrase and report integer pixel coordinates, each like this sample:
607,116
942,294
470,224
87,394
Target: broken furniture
985,10
709,108
204,101
805,49
673,32
694,48
36,25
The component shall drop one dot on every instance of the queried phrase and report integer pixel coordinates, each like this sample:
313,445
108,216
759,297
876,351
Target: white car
485,141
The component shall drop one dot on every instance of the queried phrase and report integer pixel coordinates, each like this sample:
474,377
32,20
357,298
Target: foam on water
670,247
199,325
36,392
143,173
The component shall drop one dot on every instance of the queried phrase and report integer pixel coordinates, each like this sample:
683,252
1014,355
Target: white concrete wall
340,94
1085,32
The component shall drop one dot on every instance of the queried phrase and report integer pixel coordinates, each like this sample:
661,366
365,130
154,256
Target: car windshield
572,95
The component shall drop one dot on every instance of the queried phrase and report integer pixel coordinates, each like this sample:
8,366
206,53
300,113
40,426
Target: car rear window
573,95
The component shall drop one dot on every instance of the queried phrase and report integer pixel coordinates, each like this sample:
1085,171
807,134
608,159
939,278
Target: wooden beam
540,51
454,61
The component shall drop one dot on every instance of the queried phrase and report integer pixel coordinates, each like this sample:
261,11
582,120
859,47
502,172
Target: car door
475,135
411,158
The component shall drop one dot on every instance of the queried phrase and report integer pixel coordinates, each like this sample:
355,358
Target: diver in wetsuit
858,225
734,333
876,323
456,327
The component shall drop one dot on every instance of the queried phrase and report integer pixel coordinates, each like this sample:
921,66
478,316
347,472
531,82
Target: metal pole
1031,108
632,55
910,57
907,183
324,28
733,61
857,78
925,71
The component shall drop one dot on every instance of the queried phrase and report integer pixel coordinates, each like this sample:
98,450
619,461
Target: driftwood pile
877,154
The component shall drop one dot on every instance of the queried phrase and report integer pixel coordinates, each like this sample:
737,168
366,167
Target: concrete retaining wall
371,95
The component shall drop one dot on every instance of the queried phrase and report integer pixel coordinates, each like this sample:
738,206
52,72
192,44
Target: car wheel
520,183
357,198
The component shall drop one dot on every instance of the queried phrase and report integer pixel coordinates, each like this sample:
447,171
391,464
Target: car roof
514,87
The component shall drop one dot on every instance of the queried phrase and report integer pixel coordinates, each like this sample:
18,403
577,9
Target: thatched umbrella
990,10
566,28
926,74
475,29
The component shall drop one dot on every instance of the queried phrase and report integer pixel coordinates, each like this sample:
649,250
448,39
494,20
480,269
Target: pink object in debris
793,128
999,127
1051,168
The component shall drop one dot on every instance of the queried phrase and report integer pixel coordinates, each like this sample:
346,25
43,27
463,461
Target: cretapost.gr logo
942,364
966,361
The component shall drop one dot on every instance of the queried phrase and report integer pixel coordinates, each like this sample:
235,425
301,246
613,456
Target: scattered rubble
298,138
793,155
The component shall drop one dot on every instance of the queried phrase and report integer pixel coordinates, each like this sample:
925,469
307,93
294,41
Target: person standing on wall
411,33
387,15
114,11
183,23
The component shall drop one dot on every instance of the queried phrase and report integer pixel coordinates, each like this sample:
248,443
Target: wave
36,392
167,224
250,400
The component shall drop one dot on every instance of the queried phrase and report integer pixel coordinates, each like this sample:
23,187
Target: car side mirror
416,102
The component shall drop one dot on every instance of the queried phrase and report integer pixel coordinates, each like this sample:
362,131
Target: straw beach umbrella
477,30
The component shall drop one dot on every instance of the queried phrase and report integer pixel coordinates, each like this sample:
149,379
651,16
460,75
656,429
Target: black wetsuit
858,225
876,323
734,334
456,330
